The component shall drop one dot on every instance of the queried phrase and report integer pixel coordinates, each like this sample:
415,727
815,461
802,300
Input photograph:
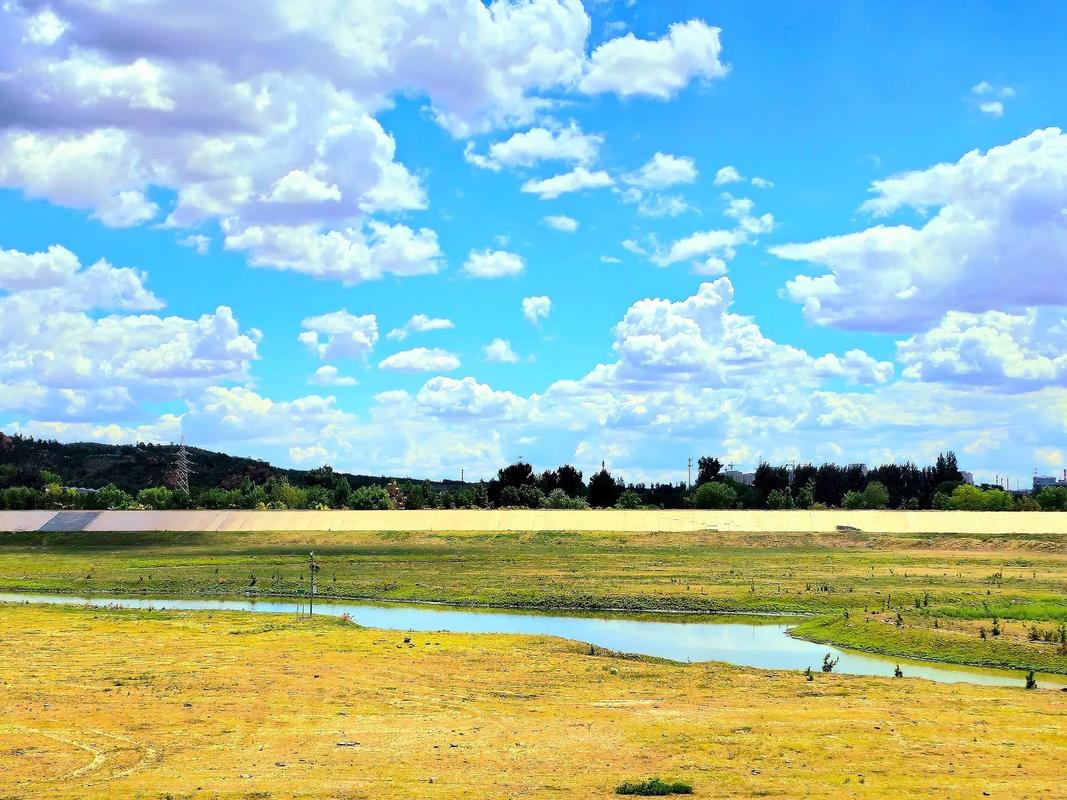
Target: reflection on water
744,641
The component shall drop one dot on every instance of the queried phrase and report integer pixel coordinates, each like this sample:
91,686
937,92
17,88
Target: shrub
531,496
853,500
653,787
629,500
371,498
1031,681
559,499
715,495
828,663
779,500
1027,503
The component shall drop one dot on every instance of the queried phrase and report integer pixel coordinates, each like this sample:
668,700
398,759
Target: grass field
105,704
942,589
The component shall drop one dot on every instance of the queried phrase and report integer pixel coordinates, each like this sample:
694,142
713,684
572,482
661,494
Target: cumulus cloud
654,204
577,180
663,170
656,68
350,256
1017,352
499,351
727,175
493,264
328,375
420,323
997,241
531,147
421,359
340,335
60,355
535,309
561,222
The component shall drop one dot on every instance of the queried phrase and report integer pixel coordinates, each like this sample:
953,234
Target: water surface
745,641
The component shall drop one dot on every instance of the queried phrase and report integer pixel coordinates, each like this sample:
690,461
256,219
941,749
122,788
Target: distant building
968,477
1043,481
738,476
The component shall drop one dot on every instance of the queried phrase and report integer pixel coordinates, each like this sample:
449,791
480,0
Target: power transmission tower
182,469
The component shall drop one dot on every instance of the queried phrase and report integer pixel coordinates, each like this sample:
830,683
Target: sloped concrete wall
965,522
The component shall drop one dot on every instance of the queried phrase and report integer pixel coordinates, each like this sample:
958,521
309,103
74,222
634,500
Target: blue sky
808,231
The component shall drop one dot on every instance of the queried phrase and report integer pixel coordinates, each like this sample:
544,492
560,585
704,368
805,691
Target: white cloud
663,170
316,453
493,264
499,351
1017,352
421,359
699,245
660,68
420,323
656,205
993,108
198,242
328,375
452,399
1050,456
60,356
990,98
610,260
996,242
762,183
727,175
529,148
562,222
349,256
340,335
535,309
577,180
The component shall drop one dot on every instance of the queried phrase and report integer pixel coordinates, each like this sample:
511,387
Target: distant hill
132,467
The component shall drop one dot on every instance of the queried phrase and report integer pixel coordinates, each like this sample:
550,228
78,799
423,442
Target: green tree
715,495
1053,498
875,496
110,498
604,490
708,470
628,500
158,498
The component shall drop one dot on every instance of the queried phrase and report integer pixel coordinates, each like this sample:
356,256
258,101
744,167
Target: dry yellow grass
106,704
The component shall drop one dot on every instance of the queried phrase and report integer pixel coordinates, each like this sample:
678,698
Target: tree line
518,485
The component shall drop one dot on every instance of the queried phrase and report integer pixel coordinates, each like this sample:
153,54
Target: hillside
92,465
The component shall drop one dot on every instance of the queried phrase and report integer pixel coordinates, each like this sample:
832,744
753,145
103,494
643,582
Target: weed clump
828,663
653,787
1031,681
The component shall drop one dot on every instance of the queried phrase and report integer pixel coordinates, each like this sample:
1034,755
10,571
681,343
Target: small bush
828,663
653,787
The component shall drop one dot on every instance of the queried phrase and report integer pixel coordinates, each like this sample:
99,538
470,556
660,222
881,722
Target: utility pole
312,569
689,482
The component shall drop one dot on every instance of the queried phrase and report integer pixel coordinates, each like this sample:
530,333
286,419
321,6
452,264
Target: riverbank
234,705
957,583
